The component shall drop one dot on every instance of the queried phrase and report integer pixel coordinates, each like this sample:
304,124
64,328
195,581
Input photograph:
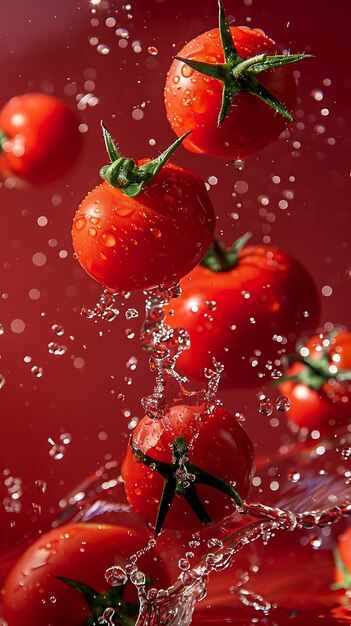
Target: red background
46,46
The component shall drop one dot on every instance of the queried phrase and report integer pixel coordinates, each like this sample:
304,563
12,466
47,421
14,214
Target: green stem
239,74
219,259
124,174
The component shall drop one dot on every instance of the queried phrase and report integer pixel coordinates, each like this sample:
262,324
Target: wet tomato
34,596
39,138
135,243
212,90
318,382
245,311
179,489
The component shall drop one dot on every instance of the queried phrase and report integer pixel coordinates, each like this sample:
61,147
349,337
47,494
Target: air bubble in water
265,407
283,404
116,576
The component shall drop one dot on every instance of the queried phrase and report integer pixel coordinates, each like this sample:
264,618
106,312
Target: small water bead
57,329
53,600
346,452
66,438
131,313
107,617
57,451
283,404
316,543
239,165
41,485
183,564
213,559
211,305
153,51
138,578
275,374
215,543
116,576
294,477
2,381
2,329
56,349
37,371
265,407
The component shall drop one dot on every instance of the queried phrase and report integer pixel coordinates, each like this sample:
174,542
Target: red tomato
245,316
319,400
131,244
193,100
33,596
41,138
219,446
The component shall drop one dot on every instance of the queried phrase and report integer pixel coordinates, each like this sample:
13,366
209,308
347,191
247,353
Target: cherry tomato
40,139
319,388
245,315
193,99
32,595
135,243
217,444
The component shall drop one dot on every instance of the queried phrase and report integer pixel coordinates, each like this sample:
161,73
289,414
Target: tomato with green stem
188,468
318,382
39,138
60,579
147,225
245,306
231,87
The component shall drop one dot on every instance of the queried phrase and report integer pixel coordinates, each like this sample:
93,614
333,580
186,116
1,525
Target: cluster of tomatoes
228,93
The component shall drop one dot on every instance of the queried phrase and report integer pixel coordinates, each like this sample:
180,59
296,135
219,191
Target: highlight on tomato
60,579
318,382
188,468
39,138
232,87
244,306
148,224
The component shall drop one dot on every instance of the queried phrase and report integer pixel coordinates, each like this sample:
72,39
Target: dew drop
186,71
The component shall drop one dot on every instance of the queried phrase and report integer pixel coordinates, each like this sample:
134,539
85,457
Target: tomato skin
131,244
43,137
193,100
265,294
221,447
328,407
80,552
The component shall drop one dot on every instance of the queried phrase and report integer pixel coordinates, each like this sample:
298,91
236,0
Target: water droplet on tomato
108,239
80,223
176,79
186,71
92,232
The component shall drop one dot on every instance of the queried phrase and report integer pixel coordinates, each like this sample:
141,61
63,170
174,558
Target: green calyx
238,74
181,476
98,602
124,174
220,259
316,371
